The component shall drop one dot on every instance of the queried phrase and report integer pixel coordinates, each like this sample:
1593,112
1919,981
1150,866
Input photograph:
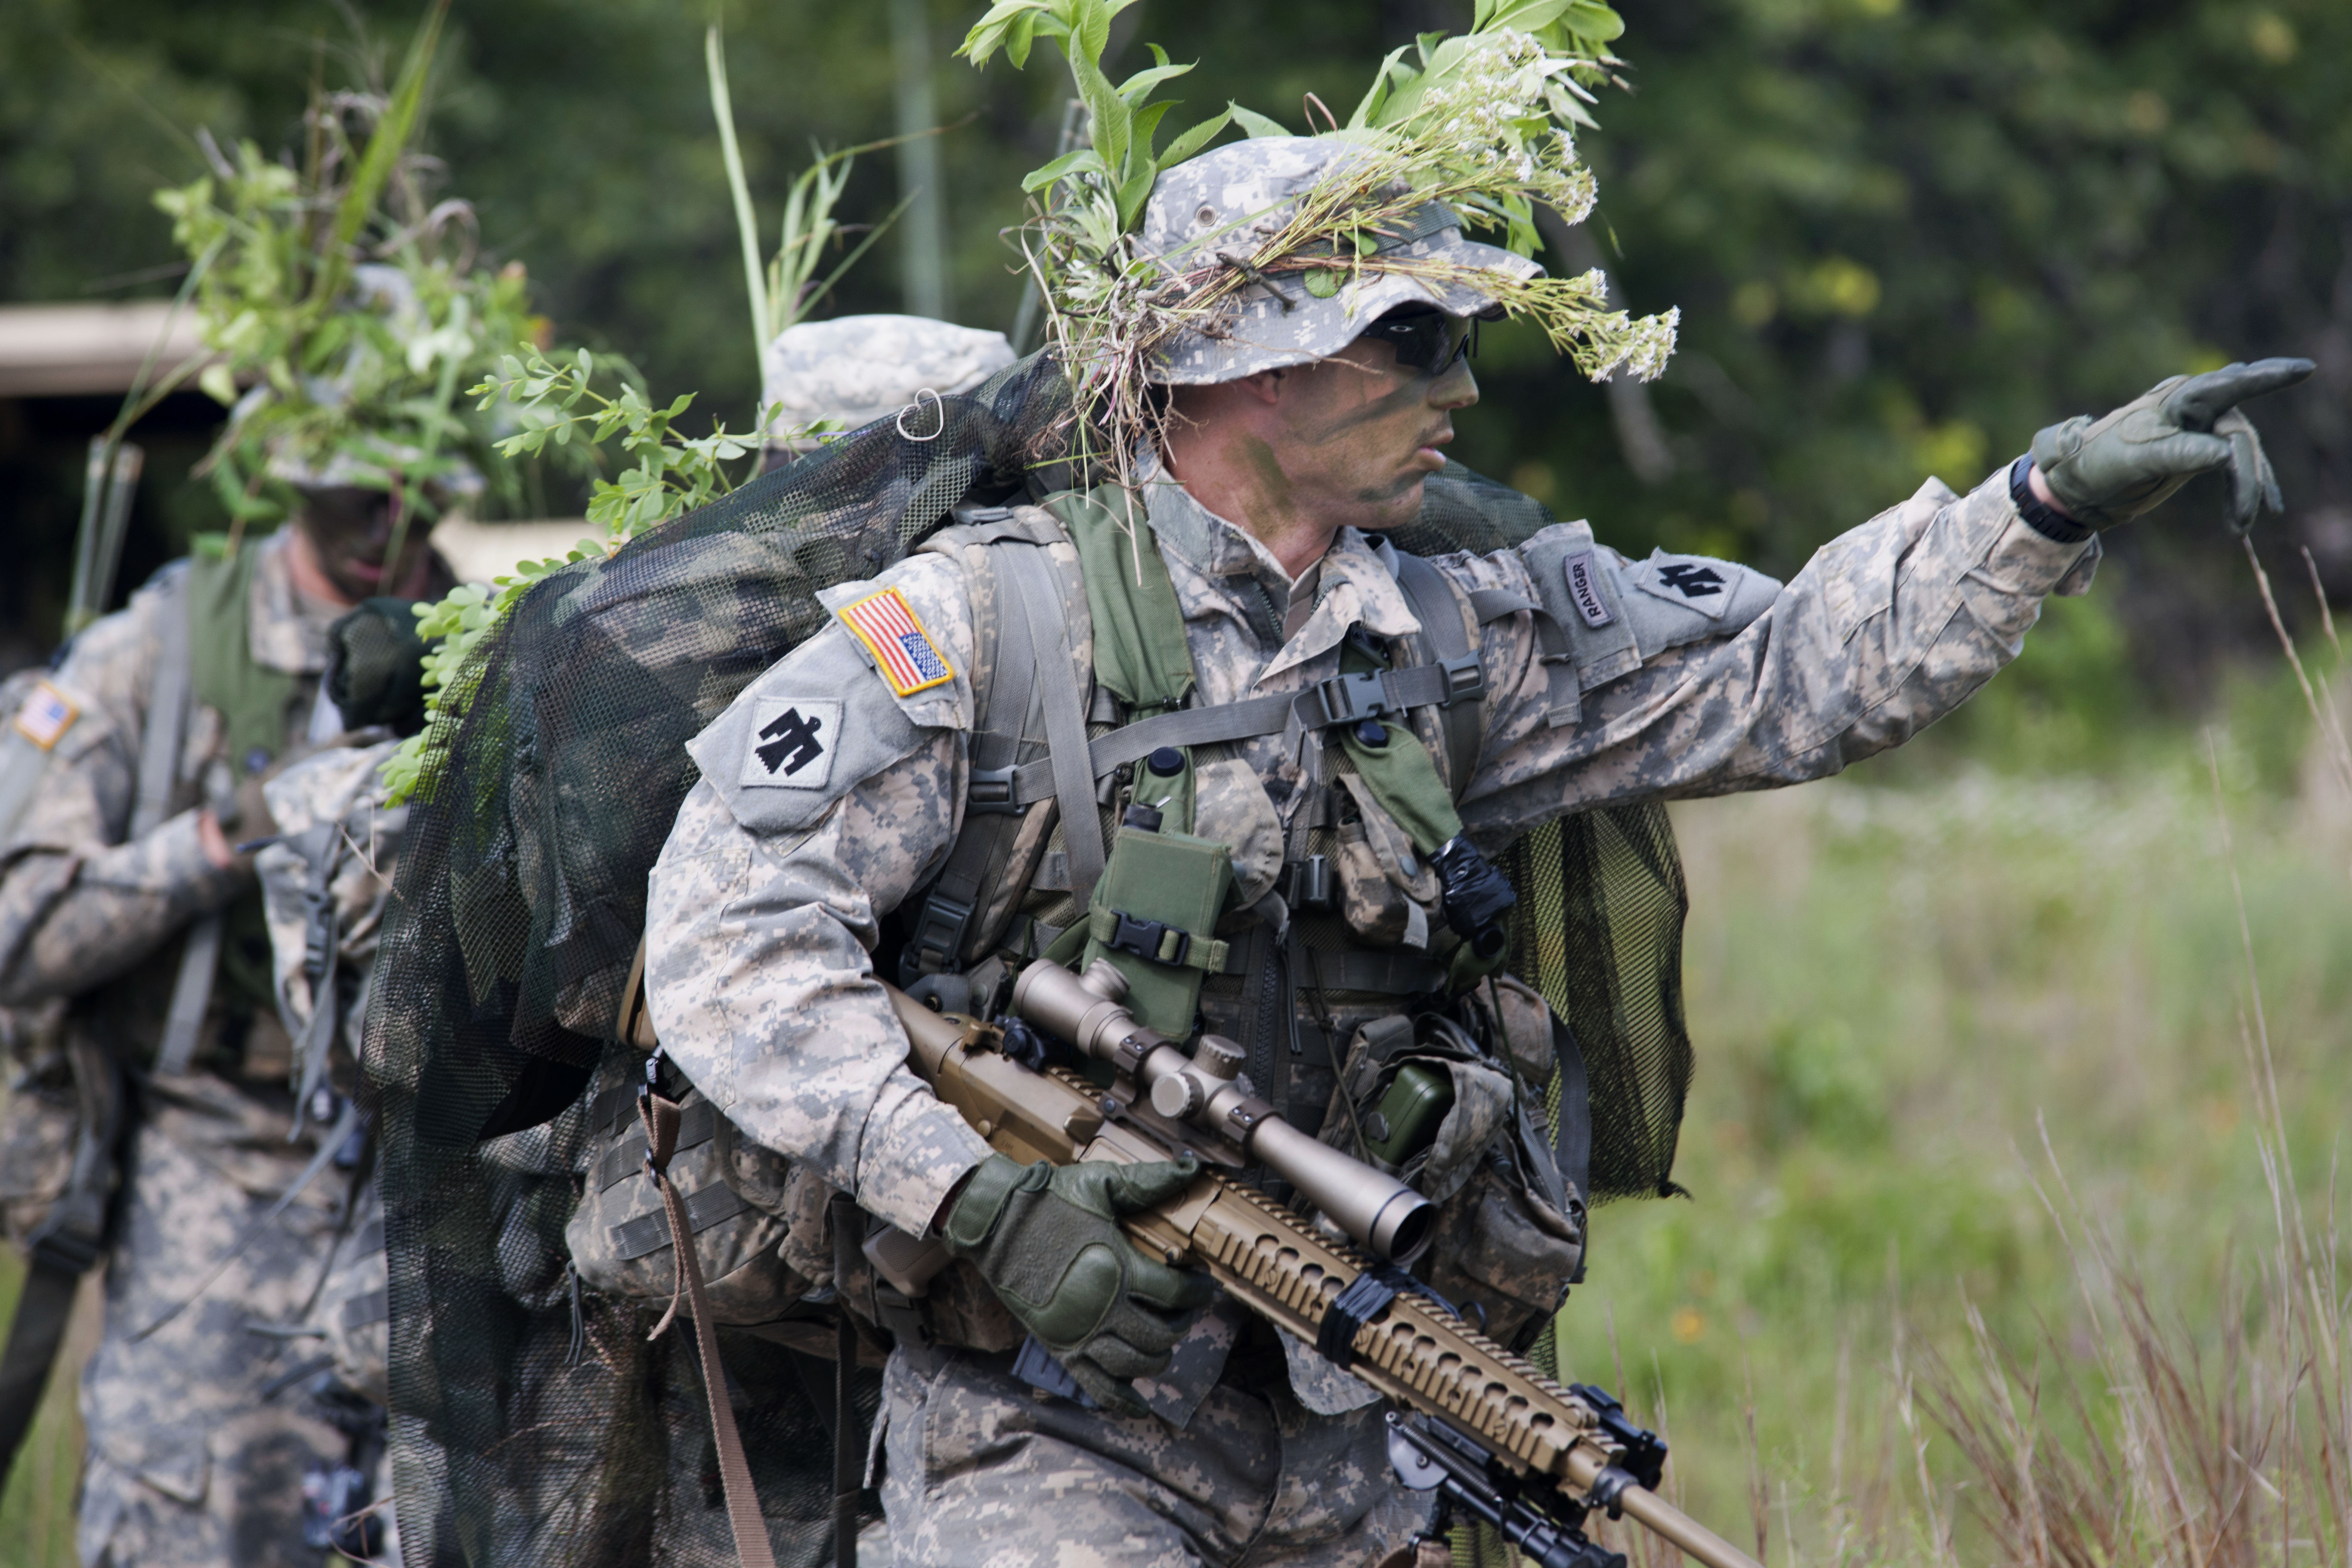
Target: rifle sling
661,1117
42,1310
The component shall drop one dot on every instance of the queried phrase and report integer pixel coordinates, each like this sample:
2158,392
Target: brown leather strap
661,1117
848,1463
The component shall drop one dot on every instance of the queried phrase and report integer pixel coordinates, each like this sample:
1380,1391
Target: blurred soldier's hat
859,369
378,465
1229,202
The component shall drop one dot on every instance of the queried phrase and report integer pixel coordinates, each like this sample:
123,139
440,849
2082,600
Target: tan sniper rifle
1487,1431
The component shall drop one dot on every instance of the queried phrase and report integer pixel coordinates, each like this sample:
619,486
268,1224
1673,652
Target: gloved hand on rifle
2099,473
1047,1240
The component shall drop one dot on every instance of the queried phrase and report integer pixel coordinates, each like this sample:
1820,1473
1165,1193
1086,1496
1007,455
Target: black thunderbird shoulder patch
792,745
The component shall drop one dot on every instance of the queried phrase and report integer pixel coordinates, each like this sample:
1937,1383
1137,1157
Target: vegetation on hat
1484,122
348,305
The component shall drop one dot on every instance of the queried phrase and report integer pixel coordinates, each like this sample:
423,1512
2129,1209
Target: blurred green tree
1904,235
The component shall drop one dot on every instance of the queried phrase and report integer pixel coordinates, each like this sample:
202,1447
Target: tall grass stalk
2173,1448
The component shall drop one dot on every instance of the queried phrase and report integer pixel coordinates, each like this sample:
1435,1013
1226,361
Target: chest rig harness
1114,746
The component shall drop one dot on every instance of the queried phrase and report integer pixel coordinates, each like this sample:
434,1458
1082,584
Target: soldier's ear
1265,385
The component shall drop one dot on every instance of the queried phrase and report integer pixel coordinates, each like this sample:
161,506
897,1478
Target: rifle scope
1205,1090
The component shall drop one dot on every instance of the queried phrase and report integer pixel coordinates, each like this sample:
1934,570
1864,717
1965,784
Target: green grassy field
1897,993
36,1511
1898,981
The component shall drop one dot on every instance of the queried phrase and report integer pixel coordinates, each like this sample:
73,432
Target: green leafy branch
1125,118
560,406
343,319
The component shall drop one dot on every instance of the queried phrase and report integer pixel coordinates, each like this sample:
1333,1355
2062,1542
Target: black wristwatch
2043,518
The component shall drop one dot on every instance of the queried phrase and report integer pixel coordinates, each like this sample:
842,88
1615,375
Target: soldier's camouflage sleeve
768,898
78,906
332,822
1888,627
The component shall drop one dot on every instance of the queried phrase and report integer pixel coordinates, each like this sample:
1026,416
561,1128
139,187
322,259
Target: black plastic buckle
900,1313
1465,676
1346,699
1149,938
66,1249
1308,883
938,935
989,792
647,1086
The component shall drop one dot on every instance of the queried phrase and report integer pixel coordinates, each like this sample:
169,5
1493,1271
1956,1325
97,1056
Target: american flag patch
46,716
885,624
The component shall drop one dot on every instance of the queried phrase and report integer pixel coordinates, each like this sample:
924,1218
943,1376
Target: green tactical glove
2110,470
1047,1240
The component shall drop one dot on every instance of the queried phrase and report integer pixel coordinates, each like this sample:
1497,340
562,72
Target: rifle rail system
1535,1434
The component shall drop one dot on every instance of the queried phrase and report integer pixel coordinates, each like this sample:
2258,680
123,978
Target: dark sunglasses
1426,340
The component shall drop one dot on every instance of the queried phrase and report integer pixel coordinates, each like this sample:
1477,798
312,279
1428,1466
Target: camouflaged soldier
1250,665
124,897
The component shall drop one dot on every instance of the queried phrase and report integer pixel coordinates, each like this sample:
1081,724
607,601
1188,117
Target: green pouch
1153,915
1409,1114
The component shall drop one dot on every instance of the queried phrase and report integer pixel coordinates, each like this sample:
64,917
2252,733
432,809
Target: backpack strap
1026,700
159,768
1439,606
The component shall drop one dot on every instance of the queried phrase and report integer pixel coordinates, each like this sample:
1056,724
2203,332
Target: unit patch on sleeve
46,716
792,744
901,648
1692,581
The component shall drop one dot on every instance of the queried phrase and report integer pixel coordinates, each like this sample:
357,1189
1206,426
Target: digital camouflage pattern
330,813
859,369
759,977
1231,200
187,1463
978,1469
331,816
1700,677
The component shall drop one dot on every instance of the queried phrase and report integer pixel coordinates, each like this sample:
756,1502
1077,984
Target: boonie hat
1226,203
859,369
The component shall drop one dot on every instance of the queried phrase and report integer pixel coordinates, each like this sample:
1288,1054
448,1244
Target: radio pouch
1154,916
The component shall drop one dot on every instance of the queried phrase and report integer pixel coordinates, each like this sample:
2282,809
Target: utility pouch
1438,1110
619,1233
1503,1245
1153,916
1386,891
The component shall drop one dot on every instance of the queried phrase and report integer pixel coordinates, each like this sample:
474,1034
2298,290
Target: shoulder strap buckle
938,937
1346,699
1464,677
993,792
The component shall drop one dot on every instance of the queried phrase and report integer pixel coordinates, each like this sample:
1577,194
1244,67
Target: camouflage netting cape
531,1421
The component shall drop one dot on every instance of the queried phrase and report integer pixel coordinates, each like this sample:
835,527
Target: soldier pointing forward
1295,748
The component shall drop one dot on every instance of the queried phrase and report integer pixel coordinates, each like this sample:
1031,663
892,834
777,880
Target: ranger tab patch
46,716
1585,589
904,652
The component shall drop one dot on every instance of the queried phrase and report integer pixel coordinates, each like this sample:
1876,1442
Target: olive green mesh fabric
521,1433
532,1423
1600,933
1599,929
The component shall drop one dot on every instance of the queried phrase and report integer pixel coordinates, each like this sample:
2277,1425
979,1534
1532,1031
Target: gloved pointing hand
2110,470
1047,1240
